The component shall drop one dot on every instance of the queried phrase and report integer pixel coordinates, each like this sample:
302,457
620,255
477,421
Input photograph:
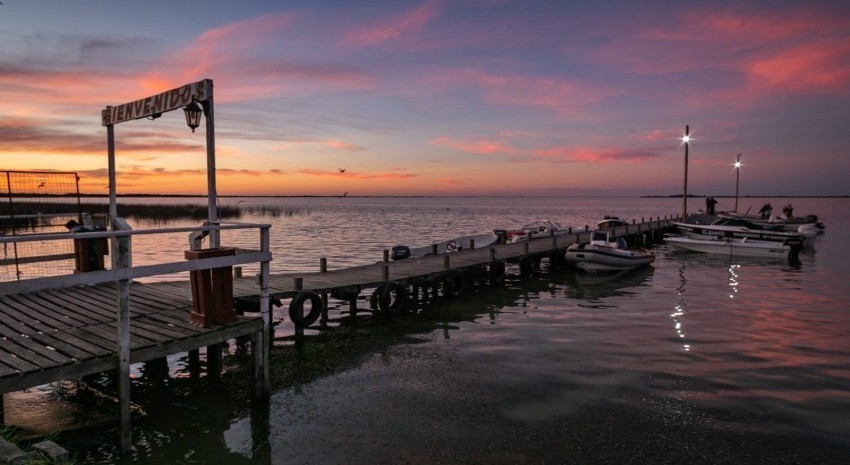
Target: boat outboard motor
400,252
796,246
501,235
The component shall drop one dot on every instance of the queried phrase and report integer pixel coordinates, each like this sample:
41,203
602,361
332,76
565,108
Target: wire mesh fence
38,203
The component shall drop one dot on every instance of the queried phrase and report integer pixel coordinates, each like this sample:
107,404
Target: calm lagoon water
697,359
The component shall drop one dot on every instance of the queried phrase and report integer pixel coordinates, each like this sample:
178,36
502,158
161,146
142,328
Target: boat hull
731,247
594,258
706,230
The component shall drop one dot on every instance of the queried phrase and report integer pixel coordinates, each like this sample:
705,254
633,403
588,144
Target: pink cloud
483,147
554,154
824,65
739,55
235,54
397,27
657,134
561,95
585,154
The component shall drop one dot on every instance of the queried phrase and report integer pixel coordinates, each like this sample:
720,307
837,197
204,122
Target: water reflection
679,308
594,287
733,280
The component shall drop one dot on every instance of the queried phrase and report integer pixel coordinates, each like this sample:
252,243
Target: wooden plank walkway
284,285
66,333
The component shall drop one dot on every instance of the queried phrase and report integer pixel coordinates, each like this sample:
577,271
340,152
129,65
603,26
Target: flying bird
341,170
42,184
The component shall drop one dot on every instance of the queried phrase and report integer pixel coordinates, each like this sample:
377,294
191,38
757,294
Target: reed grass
150,212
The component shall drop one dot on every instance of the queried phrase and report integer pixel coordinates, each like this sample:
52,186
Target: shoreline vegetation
308,196
149,212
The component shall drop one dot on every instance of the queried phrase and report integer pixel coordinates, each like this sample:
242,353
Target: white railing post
262,370
121,258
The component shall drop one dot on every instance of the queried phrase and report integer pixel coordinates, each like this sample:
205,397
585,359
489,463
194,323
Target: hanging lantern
193,115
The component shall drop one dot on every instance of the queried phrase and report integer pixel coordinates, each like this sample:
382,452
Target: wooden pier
405,278
60,328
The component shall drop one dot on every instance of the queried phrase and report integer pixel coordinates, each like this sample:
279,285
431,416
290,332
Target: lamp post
686,139
737,179
193,112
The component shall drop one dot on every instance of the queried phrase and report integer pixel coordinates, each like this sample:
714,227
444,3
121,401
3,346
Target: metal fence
38,203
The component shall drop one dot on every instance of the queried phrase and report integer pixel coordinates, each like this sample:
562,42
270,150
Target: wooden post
122,258
323,320
492,254
446,262
212,201
434,249
263,339
323,265
525,247
386,256
686,140
385,273
298,283
352,308
554,242
472,244
194,364
214,363
212,289
237,271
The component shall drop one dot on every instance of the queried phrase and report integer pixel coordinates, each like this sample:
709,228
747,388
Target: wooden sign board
157,104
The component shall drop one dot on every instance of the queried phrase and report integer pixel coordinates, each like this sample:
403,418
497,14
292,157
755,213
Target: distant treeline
679,196
151,212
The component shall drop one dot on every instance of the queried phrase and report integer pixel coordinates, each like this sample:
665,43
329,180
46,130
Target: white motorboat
808,225
610,222
604,253
737,228
734,246
543,228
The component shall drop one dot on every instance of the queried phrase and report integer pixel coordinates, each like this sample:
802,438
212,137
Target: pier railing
122,272
122,257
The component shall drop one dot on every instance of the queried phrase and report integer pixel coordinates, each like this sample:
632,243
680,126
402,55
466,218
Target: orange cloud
338,144
356,175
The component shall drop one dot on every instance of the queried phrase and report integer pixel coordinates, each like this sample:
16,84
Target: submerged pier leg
194,364
214,363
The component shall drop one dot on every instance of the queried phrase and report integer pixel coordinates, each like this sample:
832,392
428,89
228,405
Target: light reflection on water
695,350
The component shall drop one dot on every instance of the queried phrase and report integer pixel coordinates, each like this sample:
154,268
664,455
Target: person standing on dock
710,204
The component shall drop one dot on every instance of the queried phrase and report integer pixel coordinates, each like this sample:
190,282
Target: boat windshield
599,236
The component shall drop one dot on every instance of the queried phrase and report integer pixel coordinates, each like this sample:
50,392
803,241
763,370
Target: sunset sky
472,97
